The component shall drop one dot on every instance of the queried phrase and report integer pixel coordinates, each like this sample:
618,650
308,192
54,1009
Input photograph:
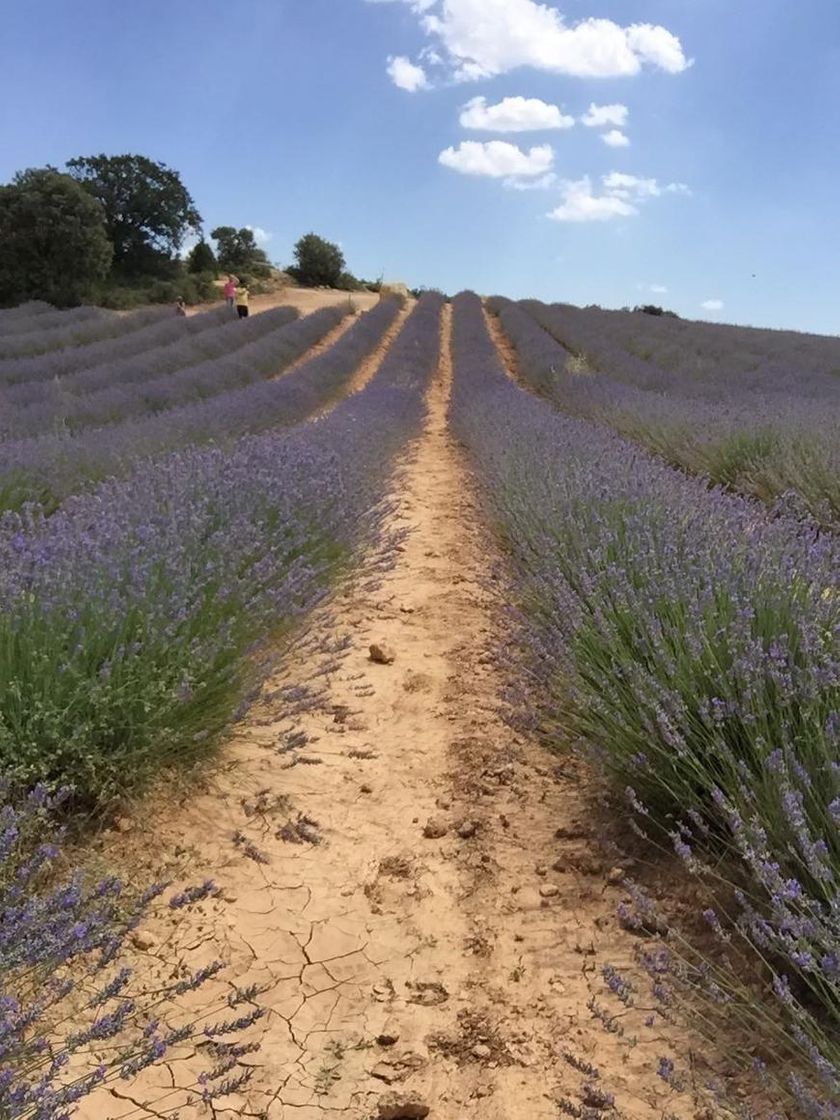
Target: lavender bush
13,319
692,644
73,1016
774,434
23,378
74,328
49,468
695,360
127,618
163,377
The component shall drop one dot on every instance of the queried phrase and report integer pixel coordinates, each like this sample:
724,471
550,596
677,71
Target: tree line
107,228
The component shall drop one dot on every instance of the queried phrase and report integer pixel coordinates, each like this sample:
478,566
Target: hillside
479,658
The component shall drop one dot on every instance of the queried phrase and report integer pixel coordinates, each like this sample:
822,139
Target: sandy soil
418,890
306,300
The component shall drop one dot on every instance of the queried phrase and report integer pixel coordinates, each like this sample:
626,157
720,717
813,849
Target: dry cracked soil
416,889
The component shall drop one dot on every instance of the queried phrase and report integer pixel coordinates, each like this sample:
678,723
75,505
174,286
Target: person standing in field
242,298
181,307
230,291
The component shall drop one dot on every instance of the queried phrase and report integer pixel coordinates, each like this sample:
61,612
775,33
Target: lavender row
154,380
701,360
20,326
13,319
87,324
769,445
49,468
128,617
687,641
23,378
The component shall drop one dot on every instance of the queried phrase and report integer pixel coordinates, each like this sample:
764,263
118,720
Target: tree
201,258
148,210
319,262
54,244
653,309
237,251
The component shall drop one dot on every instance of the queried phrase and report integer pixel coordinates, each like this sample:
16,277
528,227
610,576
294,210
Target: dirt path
306,300
368,367
416,888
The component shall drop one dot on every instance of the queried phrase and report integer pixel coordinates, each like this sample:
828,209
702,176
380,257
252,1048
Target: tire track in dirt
415,888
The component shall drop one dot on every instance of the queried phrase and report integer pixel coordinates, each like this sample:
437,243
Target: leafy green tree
148,210
201,258
53,244
237,251
319,262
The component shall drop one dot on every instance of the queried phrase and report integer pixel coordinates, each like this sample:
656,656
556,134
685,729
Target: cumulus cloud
620,197
485,38
407,75
514,114
599,116
498,159
712,305
615,138
581,205
655,289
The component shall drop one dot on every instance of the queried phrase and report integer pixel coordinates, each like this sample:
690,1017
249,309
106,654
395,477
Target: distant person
180,307
242,298
230,291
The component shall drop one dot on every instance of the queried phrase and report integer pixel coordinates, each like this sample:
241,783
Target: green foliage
653,309
133,696
238,252
201,258
192,288
54,244
148,210
347,282
418,293
319,262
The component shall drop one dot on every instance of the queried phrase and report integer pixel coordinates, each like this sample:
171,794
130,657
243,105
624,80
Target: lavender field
176,496
755,411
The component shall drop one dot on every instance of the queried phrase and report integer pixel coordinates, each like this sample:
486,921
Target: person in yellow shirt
242,297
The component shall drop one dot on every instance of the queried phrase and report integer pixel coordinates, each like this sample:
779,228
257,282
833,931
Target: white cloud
712,305
514,114
485,38
599,116
498,160
406,75
615,138
261,236
655,289
630,186
620,198
541,184
581,205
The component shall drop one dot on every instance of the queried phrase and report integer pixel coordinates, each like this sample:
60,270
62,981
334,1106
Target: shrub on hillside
54,243
319,263
202,259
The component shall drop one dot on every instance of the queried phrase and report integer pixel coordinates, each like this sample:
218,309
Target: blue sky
719,182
